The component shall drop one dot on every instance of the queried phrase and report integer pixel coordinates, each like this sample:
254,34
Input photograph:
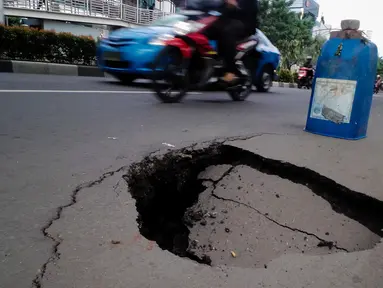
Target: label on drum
333,100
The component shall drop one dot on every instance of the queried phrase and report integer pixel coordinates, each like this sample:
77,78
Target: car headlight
161,39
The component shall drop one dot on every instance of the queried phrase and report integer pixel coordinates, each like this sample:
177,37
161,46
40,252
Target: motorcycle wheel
266,80
241,91
170,77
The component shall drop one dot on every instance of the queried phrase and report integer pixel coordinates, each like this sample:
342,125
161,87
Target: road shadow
146,84
221,103
135,84
212,101
211,87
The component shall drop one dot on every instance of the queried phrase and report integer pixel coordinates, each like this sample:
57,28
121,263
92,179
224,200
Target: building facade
86,16
310,8
2,17
306,7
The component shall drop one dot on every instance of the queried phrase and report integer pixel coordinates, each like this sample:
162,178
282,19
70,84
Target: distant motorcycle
378,86
304,77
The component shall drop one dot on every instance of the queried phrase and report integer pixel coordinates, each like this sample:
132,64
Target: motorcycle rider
378,83
308,64
378,80
237,21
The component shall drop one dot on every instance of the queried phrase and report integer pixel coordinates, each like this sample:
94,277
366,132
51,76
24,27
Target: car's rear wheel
170,76
126,79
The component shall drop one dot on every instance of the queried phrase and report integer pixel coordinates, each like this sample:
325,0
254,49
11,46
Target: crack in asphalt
216,182
249,137
322,242
55,255
224,140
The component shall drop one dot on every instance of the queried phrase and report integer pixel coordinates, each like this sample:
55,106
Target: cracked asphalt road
52,142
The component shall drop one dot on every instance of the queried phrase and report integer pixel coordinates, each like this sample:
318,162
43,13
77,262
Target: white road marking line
85,91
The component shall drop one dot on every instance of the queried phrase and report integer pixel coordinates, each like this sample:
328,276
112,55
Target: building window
147,4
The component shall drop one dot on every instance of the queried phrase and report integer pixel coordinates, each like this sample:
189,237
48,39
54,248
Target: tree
291,34
380,66
314,48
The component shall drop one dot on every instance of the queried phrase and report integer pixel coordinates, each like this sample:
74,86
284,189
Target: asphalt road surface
57,132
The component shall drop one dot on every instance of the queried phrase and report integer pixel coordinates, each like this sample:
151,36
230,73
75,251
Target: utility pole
1,11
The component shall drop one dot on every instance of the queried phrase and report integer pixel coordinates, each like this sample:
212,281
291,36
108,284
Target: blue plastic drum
343,88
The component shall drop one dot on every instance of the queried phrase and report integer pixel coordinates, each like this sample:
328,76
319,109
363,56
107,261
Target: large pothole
224,205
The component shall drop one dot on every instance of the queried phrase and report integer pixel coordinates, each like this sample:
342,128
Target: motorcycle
189,61
304,80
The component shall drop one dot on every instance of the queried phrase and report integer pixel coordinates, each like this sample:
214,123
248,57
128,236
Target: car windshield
170,20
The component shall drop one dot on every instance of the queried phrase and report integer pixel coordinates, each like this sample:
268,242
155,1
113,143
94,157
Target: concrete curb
13,66
285,85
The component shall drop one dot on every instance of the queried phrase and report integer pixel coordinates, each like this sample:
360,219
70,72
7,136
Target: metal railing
111,9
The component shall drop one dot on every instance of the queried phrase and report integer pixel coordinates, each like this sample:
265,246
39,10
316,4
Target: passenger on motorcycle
237,21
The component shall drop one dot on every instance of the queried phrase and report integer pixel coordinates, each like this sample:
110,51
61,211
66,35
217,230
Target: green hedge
285,76
23,43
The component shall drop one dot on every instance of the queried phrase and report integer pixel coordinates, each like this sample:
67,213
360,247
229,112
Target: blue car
128,53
